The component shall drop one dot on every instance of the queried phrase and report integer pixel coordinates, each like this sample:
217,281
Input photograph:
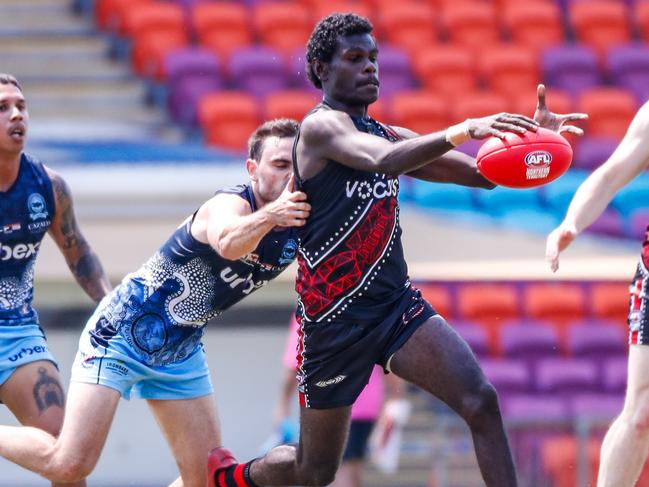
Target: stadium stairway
74,91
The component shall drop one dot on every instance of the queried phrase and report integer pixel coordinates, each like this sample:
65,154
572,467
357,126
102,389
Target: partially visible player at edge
35,200
144,338
357,305
626,444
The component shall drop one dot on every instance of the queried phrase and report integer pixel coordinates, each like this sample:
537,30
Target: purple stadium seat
530,419
475,335
596,341
628,67
592,152
529,342
507,376
258,70
566,376
614,375
572,68
191,73
595,406
636,223
395,74
609,223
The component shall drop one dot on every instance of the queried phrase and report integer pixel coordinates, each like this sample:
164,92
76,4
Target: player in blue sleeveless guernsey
144,338
357,306
34,200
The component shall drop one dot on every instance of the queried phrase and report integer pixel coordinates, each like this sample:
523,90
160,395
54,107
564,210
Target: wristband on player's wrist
458,134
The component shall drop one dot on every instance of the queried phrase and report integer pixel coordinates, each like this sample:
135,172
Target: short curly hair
323,41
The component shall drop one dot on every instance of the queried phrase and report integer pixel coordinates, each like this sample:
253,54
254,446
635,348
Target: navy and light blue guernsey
156,316
26,212
356,304
351,263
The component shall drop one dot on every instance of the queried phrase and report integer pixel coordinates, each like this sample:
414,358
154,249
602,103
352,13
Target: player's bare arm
331,135
628,160
81,259
233,230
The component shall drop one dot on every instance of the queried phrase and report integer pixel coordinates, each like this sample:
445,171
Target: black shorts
359,435
335,359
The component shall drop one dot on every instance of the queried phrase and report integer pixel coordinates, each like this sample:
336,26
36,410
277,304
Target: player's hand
557,242
554,121
290,209
496,125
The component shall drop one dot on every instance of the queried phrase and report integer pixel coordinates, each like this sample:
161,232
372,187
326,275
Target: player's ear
321,69
251,167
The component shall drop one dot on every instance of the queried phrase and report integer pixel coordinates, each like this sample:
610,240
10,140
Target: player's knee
68,470
640,420
480,406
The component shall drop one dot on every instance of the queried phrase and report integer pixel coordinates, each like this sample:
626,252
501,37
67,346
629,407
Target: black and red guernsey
351,265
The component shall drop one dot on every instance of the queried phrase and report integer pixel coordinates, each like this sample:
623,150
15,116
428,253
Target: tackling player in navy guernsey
34,200
357,307
144,338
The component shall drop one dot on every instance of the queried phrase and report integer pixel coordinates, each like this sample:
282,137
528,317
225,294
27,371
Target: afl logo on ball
538,164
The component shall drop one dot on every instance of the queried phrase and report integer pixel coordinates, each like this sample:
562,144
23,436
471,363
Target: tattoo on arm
47,391
83,262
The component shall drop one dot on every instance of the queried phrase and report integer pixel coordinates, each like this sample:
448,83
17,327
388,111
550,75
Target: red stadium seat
557,101
439,297
490,305
478,104
610,300
601,24
509,69
109,14
610,110
420,111
282,26
473,25
641,18
289,104
222,27
380,111
446,69
322,8
228,119
558,303
534,24
410,26
156,30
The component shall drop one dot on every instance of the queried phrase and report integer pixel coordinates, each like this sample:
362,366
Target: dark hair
7,79
279,127
324,39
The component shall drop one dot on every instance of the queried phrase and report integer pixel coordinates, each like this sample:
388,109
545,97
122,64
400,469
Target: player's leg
626,443
323,434
70,458
438,360
34,394
350,473
192,430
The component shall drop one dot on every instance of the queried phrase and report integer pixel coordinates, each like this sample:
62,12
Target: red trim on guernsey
220,478
633,338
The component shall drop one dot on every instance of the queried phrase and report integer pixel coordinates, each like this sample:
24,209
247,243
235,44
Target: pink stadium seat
288,104
610,110
509,69
471,24
534,24
409,25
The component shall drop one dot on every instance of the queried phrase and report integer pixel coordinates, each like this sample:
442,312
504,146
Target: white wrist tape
458,134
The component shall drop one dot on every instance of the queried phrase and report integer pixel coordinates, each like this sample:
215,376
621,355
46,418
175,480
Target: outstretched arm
81,259
331,135
593,196
227,223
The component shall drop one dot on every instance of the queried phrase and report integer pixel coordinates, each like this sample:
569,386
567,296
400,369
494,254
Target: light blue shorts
114,367
20,345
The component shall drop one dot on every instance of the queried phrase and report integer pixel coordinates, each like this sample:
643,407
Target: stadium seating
566,377
508,69
600,23
420,111
446,69
529,342
471,24
475,336
395,71
610,110
258,70
572,68
408,25
558,302
478,104
592,152
221,26
610,301
228,118
596,340
534,24
628,68
293,104
509,377
282,26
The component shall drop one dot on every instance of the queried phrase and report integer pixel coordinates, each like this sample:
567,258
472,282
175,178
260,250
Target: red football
524,161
